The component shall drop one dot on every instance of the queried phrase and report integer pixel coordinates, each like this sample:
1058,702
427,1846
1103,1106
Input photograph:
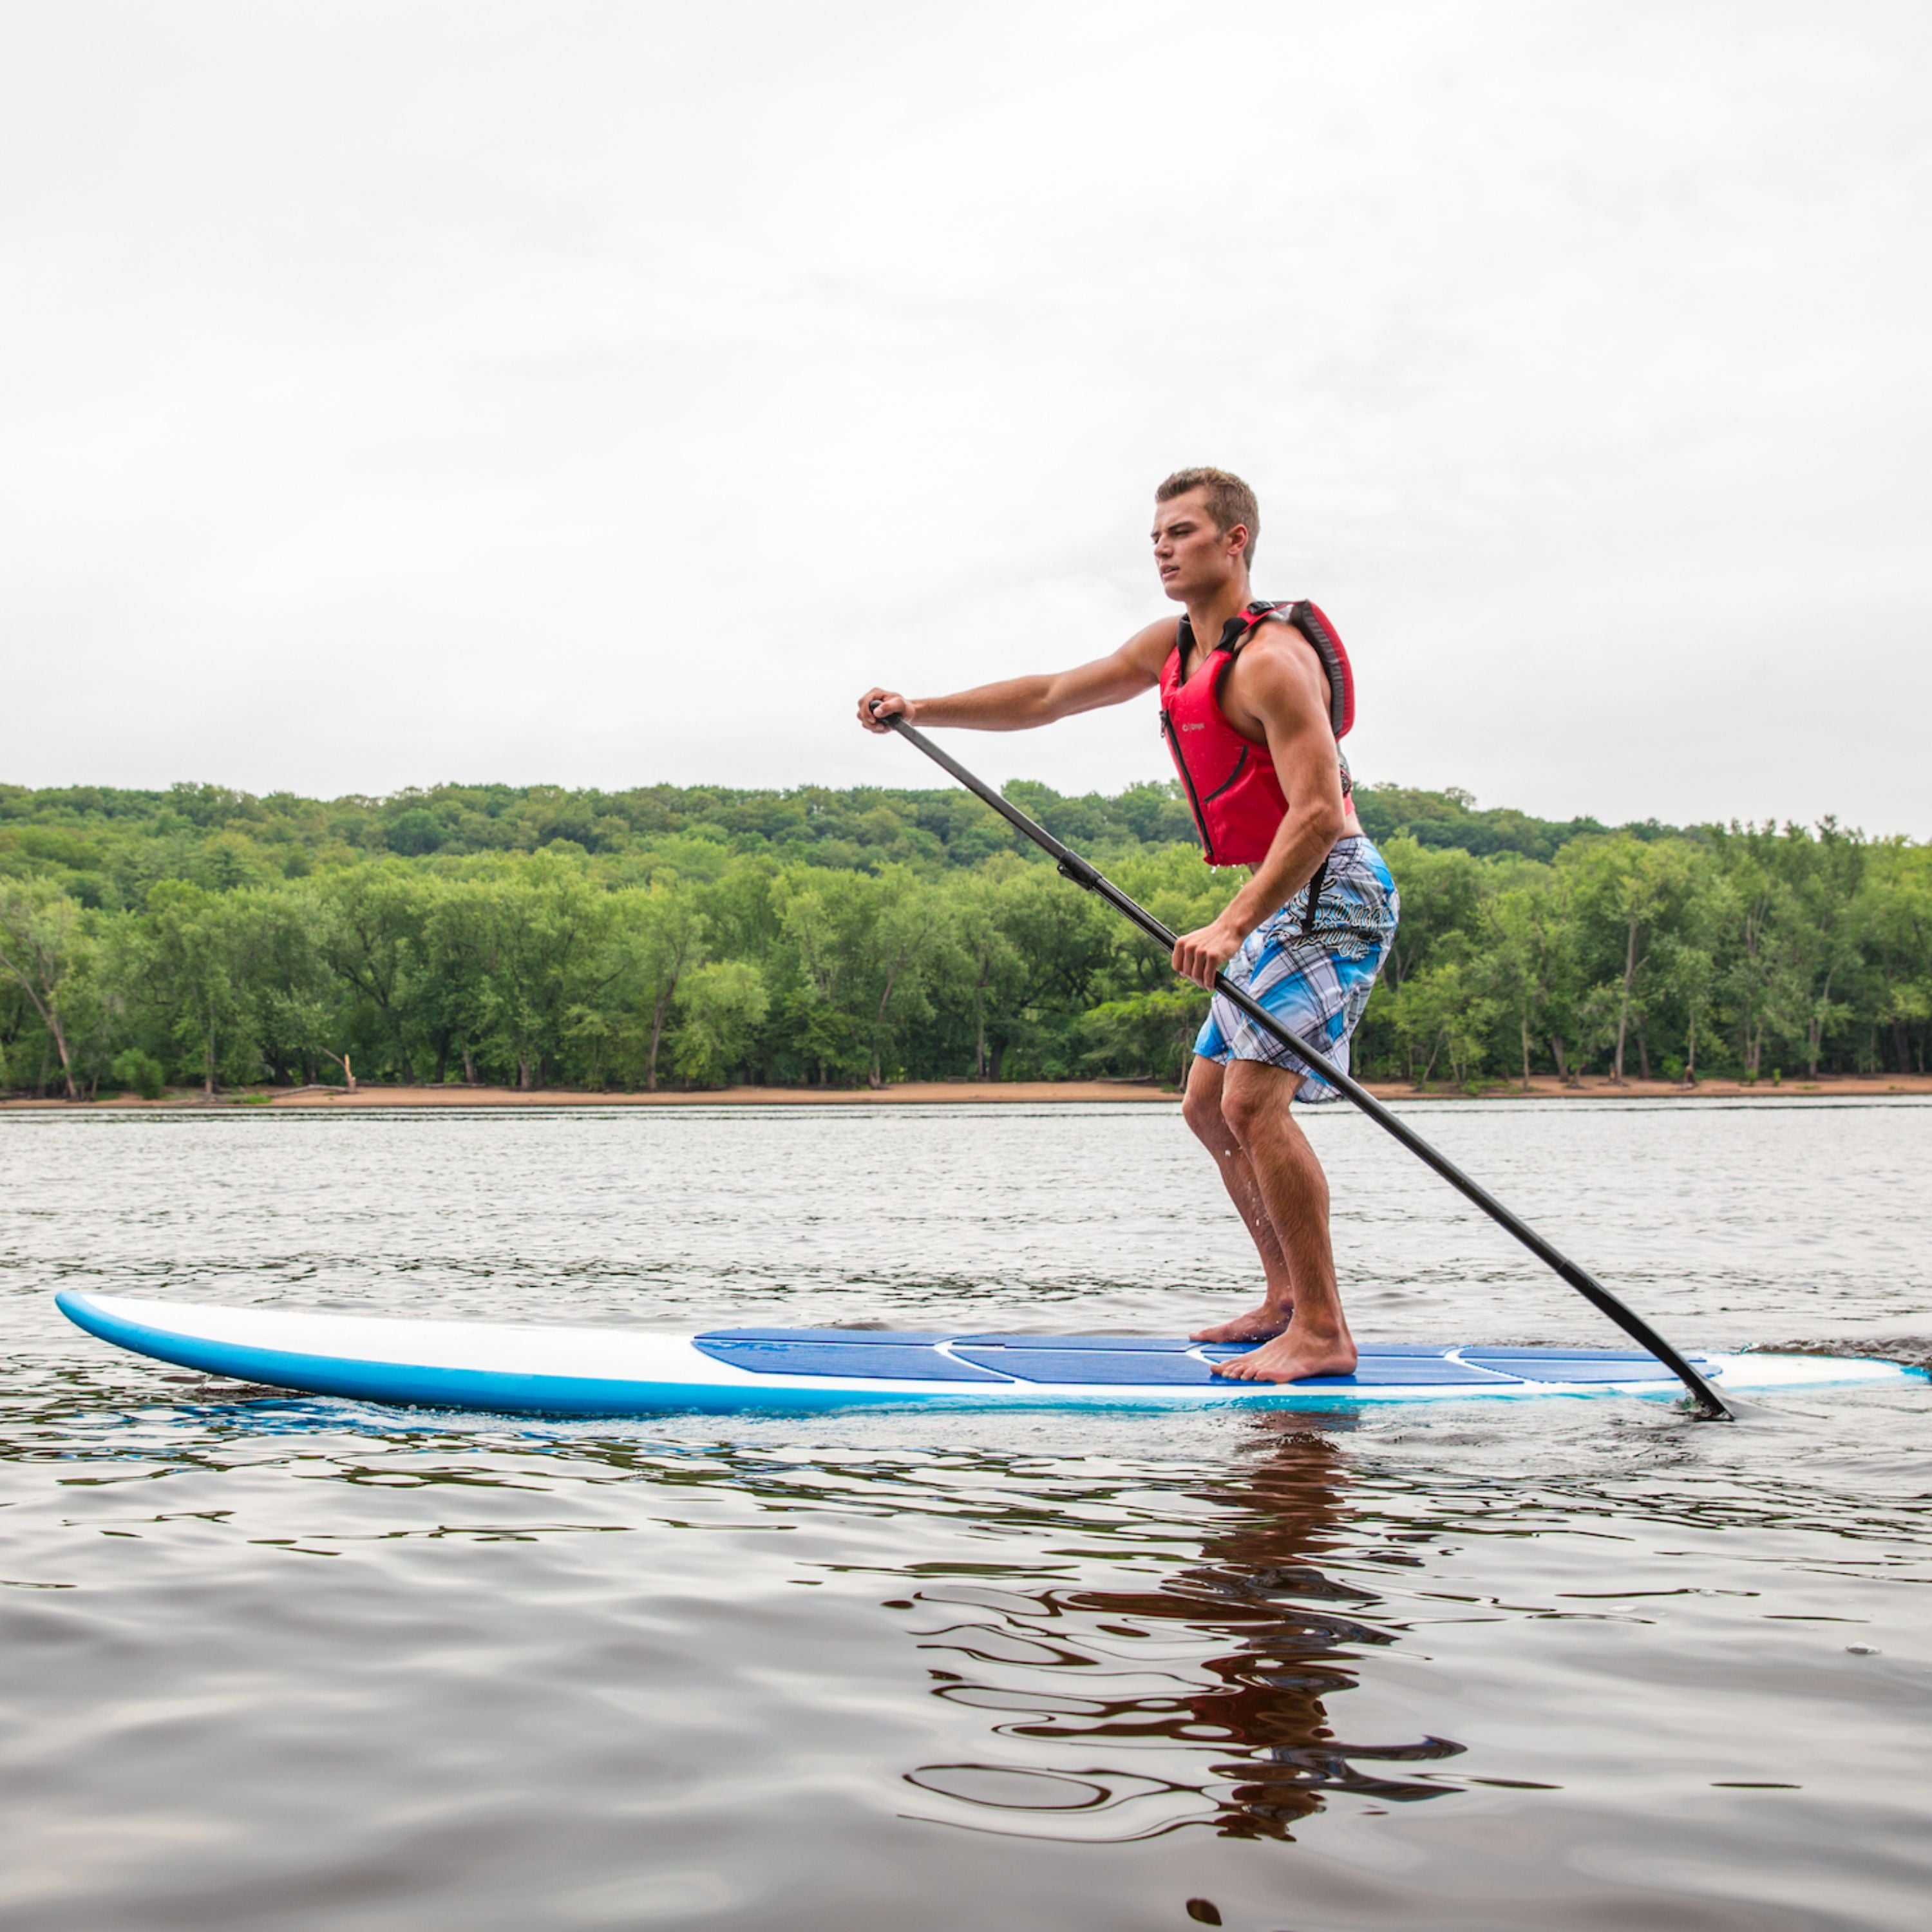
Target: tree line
697,936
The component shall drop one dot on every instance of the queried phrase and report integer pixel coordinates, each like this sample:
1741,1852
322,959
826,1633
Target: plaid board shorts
1315,983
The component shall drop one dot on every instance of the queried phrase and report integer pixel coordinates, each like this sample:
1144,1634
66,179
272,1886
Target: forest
698,937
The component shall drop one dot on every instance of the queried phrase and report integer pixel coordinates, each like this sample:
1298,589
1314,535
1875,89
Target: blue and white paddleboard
517,1368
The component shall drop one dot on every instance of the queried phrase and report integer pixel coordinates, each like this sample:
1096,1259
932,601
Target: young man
1253,697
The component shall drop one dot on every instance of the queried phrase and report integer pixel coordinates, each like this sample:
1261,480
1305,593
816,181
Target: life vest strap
1316,881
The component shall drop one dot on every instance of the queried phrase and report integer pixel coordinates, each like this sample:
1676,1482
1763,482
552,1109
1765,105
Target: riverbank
932,1093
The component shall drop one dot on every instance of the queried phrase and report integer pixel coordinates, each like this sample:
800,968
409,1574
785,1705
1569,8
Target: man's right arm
1021,703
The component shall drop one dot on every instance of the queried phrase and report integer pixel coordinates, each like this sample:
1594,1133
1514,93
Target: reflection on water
315,1667
1090,1669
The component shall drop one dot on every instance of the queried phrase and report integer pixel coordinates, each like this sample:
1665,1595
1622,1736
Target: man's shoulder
1154,643
1278,636
1277,664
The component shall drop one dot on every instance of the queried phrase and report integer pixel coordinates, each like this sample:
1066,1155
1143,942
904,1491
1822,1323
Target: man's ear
1238,549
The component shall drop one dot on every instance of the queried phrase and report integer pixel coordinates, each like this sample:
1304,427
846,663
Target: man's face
1193,557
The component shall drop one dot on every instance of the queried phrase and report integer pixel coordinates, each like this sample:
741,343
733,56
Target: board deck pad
1560,1365
516,1368
888,1357
1164,1361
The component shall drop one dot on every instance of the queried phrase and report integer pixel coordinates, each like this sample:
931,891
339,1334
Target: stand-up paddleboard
516,1369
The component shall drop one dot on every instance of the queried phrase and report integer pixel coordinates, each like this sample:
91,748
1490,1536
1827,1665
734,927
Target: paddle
1073,867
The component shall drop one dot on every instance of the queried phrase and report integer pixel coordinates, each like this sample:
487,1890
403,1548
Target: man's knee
1201,1104
1254,1099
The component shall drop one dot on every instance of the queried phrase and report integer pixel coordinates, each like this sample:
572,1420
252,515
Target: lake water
276,1663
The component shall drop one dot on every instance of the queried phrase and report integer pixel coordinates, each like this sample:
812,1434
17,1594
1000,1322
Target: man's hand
1199,955
879,702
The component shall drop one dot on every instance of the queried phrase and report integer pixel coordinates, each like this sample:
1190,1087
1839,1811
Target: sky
602,394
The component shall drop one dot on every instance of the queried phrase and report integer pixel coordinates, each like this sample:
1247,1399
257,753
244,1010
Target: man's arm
1283,690
1021,703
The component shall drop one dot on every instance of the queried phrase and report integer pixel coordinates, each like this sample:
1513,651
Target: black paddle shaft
1073,867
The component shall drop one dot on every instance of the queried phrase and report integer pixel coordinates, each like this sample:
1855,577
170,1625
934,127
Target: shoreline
948,1093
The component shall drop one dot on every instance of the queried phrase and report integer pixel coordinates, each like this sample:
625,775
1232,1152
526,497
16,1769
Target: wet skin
1241,1114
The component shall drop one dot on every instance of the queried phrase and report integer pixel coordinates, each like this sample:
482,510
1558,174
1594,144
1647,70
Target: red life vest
1232,790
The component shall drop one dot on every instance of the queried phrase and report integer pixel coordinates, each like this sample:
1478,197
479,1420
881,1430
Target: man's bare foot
1258,1325
1297,1354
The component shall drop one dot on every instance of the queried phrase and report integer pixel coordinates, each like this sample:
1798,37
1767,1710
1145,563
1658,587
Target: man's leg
1201,1107
1255,1098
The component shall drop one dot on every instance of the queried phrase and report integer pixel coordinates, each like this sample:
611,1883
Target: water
282,1664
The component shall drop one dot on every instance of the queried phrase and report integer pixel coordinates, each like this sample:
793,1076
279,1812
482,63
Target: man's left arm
1279,692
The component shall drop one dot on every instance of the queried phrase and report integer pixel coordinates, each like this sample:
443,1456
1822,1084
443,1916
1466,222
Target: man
1253,721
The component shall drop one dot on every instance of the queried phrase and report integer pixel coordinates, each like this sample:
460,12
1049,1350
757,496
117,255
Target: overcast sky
600,394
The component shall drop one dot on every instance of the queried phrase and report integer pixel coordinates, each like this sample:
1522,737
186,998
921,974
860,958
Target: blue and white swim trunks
1316,983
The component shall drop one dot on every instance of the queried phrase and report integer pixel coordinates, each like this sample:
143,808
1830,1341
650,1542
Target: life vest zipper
1187,785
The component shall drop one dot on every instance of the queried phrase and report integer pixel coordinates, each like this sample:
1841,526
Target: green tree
289,1004
988,970
1820,942
140,1073
547,955
910,930
1627,893
1152,1031
853,959
1442,892
43,942
1526,960
1891,914
191,983
659,937
1764,977
1444,1009
457,1015
1070,947
371,922
720,1008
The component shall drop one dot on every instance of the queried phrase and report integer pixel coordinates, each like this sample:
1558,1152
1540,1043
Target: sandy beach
953,1093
